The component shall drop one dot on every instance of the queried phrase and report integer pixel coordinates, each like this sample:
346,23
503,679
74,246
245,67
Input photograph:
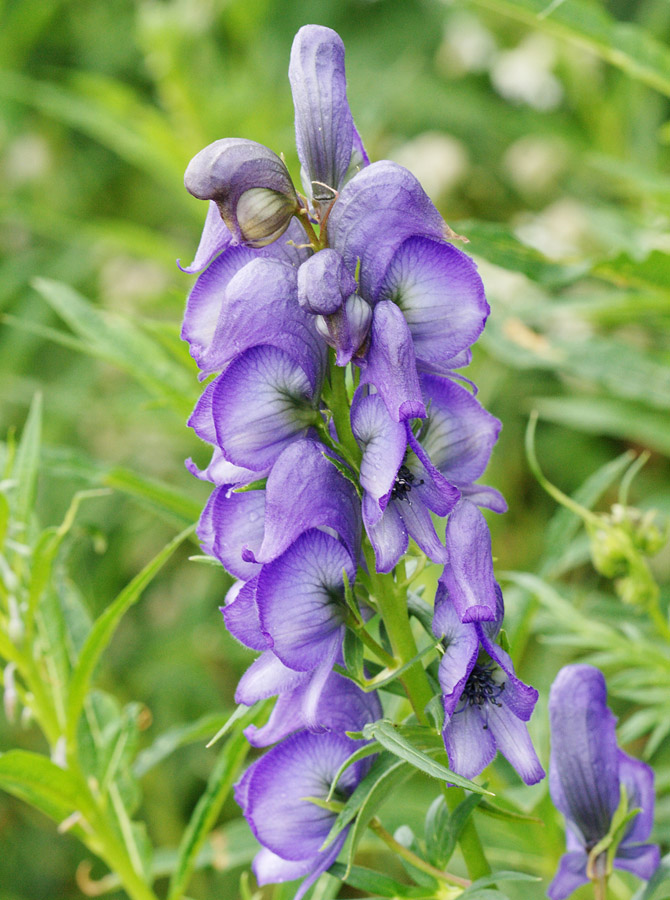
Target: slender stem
600,888
303,217
376,648
338,403
394,612
414,860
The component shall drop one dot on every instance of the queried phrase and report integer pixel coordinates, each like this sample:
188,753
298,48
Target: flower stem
600,888
338,403
414,860
393,609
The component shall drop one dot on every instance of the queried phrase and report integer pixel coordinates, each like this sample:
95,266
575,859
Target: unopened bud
324,283
250,185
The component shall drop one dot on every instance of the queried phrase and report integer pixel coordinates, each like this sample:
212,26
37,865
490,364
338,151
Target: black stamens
404,482
481,687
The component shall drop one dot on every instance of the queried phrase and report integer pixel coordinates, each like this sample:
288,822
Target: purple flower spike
250,185
441,296
324,127
271,794
587,772
485,705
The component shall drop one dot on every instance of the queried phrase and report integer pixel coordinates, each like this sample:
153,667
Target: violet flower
587,772
486,707
289,827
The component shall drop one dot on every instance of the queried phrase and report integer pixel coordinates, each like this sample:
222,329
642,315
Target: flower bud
324,283
250,185
346,329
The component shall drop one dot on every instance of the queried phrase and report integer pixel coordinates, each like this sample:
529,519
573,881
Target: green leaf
102,631
377,883
625,45
164,498
25,464
443,829
121,343
616,418
511,815
495,878
386,773
41,783
208,807
398,743
352,651
176,737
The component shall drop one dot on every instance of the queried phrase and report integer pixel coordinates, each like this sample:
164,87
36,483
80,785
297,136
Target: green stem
414,860
393,610
600,888
338,403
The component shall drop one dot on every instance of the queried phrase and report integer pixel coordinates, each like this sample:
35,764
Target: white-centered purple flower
587,772
290,828
486,707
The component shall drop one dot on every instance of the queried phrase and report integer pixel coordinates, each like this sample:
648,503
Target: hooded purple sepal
458,434
304,490
375,213
260,306
324,126
346,330
390,364
468,578
485,705
215,237
300,599
587,771
231,527
250,185
262,402
272,795
441,296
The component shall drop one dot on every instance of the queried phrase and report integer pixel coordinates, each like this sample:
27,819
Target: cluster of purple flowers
303,476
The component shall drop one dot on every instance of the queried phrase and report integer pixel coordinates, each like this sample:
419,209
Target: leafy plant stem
414,860
600,888
393,609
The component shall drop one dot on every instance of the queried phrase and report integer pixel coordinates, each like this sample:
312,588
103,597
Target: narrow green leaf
625,45
377,883
26,461
443,829
41,783
102,632
209,805
120,342
176,737
161,497
495,878
362,752
397,742
386,772
352,651
512,815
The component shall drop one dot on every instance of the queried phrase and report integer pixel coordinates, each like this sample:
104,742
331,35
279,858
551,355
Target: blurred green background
551,159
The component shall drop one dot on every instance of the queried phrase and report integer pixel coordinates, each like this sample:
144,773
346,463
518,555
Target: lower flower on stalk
606,796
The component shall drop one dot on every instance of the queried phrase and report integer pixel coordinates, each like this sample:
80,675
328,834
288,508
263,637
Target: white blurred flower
467,46
559,231
533,163
523,75
437,160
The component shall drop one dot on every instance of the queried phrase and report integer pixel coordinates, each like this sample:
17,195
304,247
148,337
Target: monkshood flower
587,773
406,477
486,707
290,828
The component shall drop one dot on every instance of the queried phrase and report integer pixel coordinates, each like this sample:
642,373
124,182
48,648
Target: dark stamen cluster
481,687
404,482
